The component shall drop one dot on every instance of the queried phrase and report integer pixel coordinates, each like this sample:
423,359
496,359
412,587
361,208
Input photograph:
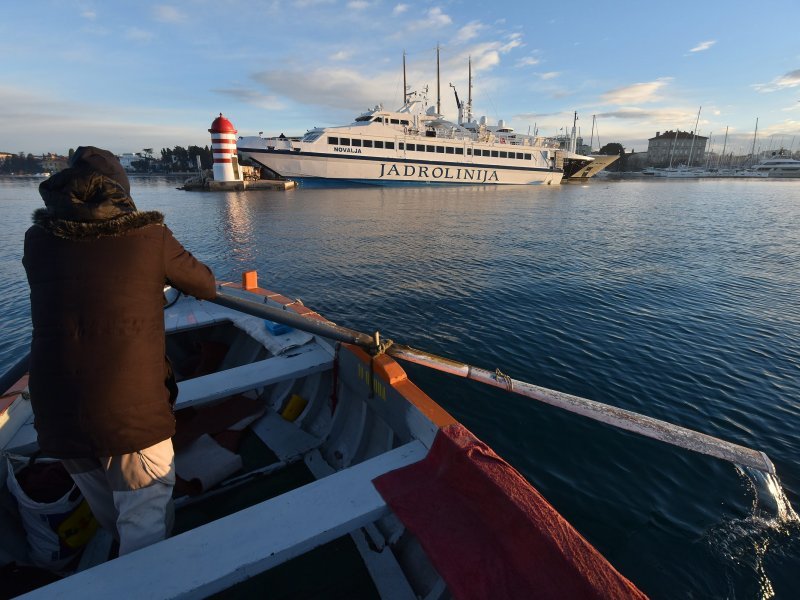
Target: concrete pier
210,185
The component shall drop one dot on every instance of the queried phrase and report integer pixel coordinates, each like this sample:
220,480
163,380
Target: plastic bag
57,520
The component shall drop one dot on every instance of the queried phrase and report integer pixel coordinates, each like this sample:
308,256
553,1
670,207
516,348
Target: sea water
676,299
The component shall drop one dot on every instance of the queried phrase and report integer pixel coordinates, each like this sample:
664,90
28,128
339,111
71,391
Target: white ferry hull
382,170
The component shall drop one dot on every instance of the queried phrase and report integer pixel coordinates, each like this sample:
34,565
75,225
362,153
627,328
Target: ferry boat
412,145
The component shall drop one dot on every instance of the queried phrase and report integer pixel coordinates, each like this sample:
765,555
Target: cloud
435,17
703,46
468,32
33,121
528,61
307,3
399,9
514,41
138,35
338,88
549,75
636,93
252,97
89,14
342,55
358,4
168,14
790,80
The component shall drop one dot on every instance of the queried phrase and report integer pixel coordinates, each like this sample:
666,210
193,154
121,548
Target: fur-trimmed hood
92,230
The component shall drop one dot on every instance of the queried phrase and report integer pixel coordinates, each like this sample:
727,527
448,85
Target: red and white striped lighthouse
223,146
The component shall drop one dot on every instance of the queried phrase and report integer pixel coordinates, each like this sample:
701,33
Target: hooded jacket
96,269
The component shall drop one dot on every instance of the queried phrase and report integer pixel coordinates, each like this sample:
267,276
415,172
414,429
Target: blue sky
128,75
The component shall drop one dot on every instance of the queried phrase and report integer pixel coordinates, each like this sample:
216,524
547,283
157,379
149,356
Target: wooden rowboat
311,467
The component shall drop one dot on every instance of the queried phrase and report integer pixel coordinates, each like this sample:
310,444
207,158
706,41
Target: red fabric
489,533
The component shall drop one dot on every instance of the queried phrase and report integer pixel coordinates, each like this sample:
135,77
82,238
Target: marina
671,299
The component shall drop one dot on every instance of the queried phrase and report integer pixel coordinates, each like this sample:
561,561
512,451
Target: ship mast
469,93
438,85
405,85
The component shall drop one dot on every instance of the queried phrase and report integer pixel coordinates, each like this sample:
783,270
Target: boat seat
300,362
213,557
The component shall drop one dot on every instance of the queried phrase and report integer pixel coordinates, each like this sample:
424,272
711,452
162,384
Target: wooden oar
611,415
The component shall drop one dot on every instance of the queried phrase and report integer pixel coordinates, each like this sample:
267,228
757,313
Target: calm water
680,300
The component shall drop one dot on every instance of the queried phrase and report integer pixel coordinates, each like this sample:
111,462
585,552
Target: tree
612,149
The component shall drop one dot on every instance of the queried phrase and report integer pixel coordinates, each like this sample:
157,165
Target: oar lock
500,376
379,346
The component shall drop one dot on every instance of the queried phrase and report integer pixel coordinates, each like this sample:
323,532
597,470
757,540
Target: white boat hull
399,170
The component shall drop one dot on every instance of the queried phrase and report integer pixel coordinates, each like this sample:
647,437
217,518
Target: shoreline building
677,148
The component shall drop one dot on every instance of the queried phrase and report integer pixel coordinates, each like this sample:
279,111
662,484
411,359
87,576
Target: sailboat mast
591,139
573,140
694,136
755,133
672,152
405,85
438,85
724,145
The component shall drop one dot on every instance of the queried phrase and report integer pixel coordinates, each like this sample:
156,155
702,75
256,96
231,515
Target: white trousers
130,495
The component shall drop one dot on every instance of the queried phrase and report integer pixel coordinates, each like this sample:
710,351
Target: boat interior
279,436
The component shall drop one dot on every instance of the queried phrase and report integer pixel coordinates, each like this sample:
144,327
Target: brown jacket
97,367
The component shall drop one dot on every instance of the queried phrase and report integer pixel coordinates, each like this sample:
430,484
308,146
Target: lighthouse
223,146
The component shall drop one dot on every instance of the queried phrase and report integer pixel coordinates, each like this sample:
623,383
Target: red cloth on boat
489,533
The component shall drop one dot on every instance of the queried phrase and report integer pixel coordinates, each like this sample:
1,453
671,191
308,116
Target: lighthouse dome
222,125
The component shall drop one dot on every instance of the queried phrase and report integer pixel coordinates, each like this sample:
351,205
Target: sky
128,75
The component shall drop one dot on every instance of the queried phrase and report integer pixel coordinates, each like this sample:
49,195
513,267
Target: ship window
469,151
312,136
390,145
440,149
402,146
494,153
527,157
460,151
430,148
378,119
519,155
333,141
363,118
367,143
395,121
378,144
404,122
450,150
487,153
344,141
410,147
502,154
356,142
